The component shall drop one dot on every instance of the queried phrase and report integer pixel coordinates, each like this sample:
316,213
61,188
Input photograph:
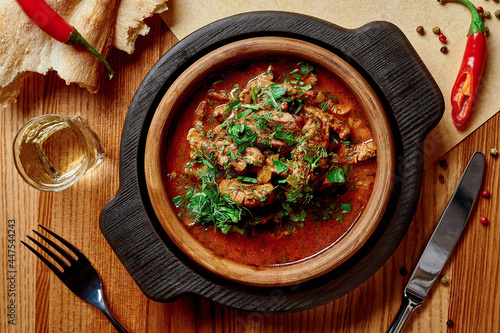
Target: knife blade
442,241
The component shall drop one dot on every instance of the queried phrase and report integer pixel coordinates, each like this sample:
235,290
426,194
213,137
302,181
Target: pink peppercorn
485,194
480,9
483,220
442,38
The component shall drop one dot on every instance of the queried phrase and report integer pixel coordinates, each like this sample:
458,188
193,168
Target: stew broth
262,169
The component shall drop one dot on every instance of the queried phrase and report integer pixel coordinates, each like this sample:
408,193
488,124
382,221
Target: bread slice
24,48
130,21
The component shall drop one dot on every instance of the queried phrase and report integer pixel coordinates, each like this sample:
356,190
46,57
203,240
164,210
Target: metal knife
442,241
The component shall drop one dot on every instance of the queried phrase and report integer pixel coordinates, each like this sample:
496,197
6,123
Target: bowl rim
320,263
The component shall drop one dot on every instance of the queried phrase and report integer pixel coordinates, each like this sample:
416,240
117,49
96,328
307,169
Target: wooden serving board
414,105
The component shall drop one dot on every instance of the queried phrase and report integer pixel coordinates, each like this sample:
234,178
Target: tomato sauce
295,241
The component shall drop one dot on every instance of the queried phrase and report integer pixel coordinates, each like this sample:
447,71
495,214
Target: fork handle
113,320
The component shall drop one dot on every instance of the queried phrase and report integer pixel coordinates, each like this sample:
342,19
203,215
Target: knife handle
408,305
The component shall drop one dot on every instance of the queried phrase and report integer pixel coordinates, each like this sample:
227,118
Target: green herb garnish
242,135
346,208
177,201
243,113
277,90
298,217
336,175
280,166
306,68
250,106
247,179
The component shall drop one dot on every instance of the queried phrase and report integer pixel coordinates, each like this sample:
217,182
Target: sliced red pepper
471,70
56,27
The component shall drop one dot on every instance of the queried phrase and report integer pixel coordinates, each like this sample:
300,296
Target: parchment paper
186,16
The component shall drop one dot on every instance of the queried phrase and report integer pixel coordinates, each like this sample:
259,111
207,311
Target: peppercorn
441,179
403,271
449,323
487,31
483,220
480,9
493,152
444,49
442,163
487,14
444,280
420,30
442,38
497,13
485,194
436,30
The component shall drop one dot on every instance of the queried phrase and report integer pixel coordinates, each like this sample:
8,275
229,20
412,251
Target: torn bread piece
130,21
25,48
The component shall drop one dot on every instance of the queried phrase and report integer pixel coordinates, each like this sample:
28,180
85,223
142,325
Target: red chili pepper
56,27
471,70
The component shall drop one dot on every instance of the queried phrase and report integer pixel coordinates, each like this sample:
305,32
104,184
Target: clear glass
51,152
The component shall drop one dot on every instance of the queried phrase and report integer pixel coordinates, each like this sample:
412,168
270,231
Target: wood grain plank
46,305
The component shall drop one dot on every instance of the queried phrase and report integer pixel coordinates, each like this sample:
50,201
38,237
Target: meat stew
271,162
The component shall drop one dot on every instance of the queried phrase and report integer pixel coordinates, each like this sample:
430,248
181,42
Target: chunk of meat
253,156
223,112
225,152
247,195
266,123
310,153
340,109
283,119
200,112
362,152
271,165
263,80
310,79
337,125
299,93
341,129
220,96
201,144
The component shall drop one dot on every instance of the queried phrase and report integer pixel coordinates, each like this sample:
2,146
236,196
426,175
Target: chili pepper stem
477,23
76,39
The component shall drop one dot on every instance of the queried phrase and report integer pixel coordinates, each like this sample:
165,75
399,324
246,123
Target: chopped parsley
336,175
287,138
305,68
242,135
177,201
299,217
277,90
247,179
249,106
280,166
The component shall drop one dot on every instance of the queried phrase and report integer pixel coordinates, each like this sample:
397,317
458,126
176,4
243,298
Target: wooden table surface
41,303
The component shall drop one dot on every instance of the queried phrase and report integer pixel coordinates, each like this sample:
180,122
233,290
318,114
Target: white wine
52,152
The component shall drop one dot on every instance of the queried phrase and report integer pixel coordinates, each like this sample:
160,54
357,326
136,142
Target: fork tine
57,247
65,242
49,252
46,262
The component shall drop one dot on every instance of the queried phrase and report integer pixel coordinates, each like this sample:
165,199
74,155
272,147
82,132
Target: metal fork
79,276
